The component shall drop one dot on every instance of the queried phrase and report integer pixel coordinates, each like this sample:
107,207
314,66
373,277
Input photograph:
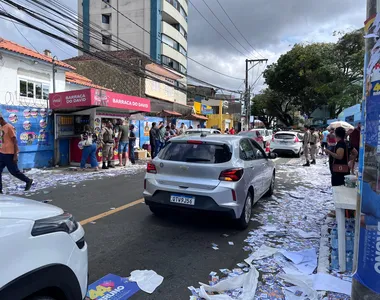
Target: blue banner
111,287
368,271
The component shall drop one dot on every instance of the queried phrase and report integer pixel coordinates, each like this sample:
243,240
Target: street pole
248,89
54,70
366,280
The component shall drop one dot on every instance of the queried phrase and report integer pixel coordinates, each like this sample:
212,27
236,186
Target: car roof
218,138
287,132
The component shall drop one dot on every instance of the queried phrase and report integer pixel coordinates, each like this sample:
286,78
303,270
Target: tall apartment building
165,20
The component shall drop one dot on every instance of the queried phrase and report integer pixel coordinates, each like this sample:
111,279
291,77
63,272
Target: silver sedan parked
220,173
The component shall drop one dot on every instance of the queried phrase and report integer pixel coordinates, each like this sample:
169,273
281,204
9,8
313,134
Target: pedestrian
9,154
182,129
324,140
132,143
306,142
160,142
88,139
123,138
226,131
355,137
173,130
152,139
107,142
340,156
232,131
314,143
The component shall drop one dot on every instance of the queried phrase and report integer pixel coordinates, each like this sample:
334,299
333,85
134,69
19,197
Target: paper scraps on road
305,261
269,228
262,252
327,282
147,280
306,235
247,281
231,243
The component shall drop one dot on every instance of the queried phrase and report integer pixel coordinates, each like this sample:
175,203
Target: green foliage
313,75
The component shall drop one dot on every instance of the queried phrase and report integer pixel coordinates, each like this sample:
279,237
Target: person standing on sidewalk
132,143
152,139
123,142
324,140
314,144
306,141
9,154
107,142
160,142
88,138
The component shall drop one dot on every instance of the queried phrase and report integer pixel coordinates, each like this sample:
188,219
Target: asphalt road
177,247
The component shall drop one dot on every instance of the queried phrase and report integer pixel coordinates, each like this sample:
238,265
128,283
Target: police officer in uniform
306,142
107,139
314,143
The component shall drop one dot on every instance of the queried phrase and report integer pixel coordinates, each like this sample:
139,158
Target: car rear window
196,153
284,136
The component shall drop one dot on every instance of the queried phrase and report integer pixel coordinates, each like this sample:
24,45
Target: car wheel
158,211
245,217
271,188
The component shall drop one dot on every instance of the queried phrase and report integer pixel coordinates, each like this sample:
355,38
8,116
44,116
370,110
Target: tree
320,74
271,104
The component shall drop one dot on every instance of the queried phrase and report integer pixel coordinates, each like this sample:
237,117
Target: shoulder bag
341,168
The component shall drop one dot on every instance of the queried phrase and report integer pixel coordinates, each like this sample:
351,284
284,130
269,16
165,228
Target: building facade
164,37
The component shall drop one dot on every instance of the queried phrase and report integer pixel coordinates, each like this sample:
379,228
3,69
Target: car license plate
181,199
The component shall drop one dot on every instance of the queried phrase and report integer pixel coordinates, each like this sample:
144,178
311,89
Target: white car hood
12,207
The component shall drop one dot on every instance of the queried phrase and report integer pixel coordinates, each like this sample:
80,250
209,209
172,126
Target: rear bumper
285,150
202,203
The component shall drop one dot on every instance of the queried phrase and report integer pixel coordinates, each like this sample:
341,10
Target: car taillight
194,142
151,168
296,140
231,174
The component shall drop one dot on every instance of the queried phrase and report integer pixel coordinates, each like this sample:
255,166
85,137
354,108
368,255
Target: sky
272,27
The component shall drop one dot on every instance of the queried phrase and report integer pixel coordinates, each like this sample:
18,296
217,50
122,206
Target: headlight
64,222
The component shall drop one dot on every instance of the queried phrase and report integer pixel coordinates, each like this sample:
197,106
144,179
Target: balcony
174,54
170,31
184,5
172,16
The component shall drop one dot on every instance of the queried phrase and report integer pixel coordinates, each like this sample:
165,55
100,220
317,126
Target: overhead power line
216,30
238,28
114,60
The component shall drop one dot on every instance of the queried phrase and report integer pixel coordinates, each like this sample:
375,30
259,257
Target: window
38,90
106,39
182,69
106,19
23,88
170,62
45,92
31,89
182,12
257,151
246,150
182,50
30,93
196,153
170,42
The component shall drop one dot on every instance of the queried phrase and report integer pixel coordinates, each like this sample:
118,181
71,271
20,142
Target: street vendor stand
344,198
75,109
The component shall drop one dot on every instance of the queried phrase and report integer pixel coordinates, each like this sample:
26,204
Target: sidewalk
48,178
283,253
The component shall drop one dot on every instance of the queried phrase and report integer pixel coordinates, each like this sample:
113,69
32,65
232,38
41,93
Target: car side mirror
272,155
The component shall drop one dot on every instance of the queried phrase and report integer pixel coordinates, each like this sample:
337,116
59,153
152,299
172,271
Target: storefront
75,109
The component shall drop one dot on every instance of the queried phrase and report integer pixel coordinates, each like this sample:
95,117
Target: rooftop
81,80
16,48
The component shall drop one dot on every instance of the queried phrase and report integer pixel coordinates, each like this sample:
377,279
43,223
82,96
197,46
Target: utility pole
248,89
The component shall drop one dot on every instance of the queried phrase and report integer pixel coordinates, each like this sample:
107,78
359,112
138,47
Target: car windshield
284,136
196,153
250,133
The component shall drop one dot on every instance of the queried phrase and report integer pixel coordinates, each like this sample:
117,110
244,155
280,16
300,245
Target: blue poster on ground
368,271
111,287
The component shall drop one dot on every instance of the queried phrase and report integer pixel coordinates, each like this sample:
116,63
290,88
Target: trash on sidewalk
147,280
111,287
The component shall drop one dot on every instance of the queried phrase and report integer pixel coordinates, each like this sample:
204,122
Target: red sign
96,97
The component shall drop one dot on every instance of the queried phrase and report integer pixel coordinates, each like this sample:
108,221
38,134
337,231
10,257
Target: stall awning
88,98
198,117
168,113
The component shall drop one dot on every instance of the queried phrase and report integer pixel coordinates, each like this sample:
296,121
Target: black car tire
271,188
243,221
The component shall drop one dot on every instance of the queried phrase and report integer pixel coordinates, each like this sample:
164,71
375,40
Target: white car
43,252
287,142
202,131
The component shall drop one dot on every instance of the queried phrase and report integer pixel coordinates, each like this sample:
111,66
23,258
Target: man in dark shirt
132,143
152,140
355,137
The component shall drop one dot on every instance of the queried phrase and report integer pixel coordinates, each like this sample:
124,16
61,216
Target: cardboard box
140,154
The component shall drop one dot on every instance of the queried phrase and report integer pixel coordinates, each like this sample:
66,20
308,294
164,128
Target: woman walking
89,139
340,158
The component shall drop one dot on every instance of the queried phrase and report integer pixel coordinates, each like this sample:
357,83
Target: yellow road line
111,212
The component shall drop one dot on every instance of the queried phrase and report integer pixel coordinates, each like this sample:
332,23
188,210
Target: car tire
246,214
271,188
157,211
